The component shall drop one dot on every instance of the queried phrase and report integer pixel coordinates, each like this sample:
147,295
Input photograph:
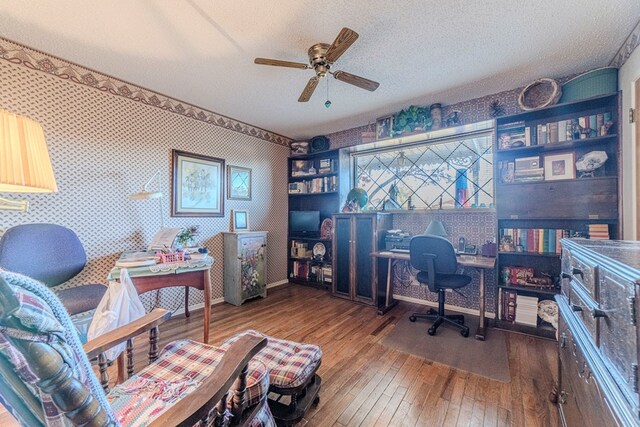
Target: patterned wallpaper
476,227
105,146
627,47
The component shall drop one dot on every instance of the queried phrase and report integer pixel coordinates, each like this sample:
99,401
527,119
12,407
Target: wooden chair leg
104,376
153,344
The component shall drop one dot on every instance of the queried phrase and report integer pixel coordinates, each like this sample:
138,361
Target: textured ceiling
421,51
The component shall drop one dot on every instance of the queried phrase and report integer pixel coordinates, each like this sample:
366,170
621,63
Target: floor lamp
25,166
146,194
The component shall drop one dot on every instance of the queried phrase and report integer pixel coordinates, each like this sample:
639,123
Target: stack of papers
527,310
136,259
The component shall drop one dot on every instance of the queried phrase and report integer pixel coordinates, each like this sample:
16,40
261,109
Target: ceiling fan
321,58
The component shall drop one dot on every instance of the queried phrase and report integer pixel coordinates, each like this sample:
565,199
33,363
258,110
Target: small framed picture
384,126
238,183
559,166
239,220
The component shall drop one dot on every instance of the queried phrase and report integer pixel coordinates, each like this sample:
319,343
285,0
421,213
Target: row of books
316,185
539,240
319,273
519,308
517,134
599,231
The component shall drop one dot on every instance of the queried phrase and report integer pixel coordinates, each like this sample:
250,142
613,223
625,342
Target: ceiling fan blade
279,63
308,90
352,79
345,38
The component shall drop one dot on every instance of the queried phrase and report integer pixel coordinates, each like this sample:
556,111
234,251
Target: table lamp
146,194
25,166
436,228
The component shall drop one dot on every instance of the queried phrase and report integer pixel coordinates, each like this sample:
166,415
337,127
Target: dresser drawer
583,308
585,273
581,401
618,331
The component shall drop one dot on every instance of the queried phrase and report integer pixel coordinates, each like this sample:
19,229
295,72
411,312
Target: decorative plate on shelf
319,250
326,229
548,311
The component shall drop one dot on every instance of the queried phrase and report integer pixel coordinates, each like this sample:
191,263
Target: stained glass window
452,173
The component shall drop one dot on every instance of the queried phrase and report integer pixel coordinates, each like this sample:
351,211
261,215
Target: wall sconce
25,166
146,194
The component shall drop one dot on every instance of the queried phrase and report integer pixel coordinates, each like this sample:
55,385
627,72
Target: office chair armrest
431,268
147,322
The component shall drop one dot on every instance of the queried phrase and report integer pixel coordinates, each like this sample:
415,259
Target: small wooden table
196,275
480,263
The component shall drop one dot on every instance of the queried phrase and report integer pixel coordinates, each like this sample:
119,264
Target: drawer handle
563,340
566,276
577,272
598,313
576,307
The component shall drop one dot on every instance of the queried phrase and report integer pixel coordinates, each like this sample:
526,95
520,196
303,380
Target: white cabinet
245,266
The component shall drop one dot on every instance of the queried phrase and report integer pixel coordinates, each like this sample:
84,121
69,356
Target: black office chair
436,259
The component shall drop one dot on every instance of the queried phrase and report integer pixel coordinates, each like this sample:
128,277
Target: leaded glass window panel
454,173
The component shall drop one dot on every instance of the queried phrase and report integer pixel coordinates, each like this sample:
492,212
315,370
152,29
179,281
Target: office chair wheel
465,332
432,331
412,318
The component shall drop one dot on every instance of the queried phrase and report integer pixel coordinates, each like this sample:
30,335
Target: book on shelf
509,305
599,231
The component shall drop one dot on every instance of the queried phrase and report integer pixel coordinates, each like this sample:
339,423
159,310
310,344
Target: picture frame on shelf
299,148
238,183
197,187
559,166
302,168
239,220
384,127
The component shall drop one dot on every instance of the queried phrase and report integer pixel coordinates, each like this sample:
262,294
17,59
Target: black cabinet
355,237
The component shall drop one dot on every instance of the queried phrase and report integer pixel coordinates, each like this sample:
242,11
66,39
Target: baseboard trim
180,310
278,283
472,311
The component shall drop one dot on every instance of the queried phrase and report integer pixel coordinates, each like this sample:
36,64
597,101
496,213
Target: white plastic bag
119,306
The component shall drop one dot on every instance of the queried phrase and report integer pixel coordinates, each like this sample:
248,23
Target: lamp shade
436,228
25,166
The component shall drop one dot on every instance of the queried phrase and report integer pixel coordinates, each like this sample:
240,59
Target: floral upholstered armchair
46,378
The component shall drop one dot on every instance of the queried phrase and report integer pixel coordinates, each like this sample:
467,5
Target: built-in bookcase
541,197
313,186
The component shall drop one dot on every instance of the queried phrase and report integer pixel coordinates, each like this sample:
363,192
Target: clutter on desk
136,259
396,239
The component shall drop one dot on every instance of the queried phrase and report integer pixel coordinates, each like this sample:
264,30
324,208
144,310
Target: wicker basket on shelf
540,93
171,257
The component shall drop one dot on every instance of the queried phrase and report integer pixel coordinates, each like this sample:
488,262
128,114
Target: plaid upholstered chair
46,377
294,382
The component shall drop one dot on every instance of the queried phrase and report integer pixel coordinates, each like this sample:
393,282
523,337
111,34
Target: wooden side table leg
186,302
207,304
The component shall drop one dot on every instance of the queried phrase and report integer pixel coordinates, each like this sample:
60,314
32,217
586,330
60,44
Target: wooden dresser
598,353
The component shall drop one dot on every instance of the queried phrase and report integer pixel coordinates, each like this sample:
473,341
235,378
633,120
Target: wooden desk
197,276
478,262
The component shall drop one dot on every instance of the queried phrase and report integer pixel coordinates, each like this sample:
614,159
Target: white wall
629,73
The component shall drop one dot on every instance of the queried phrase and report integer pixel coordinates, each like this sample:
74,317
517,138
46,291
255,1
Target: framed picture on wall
238,183
384,126
197,185
239,220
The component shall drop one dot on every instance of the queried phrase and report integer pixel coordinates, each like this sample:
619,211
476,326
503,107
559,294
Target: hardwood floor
368,384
